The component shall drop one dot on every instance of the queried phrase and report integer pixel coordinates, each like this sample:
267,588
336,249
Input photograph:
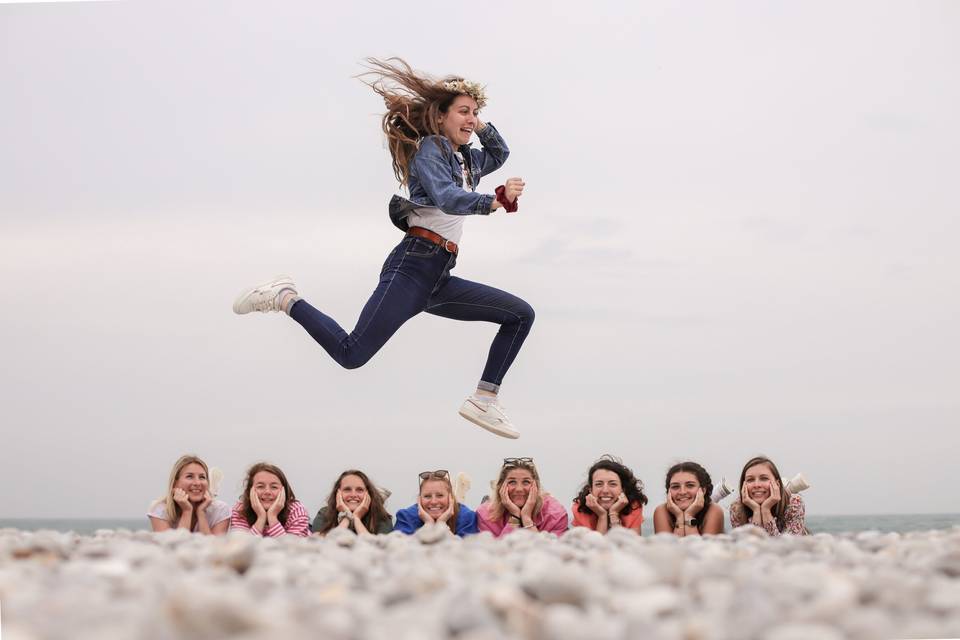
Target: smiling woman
188,503
612,497
428,125
436,503
268,506
765,503
355,504
688,509
519,502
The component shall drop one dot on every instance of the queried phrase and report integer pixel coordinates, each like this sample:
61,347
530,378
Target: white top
444,224
217,512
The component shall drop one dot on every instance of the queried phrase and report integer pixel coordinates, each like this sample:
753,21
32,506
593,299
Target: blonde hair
173,509
445,479
497,509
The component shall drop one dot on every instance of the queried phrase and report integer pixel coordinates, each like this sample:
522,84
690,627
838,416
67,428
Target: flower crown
472,89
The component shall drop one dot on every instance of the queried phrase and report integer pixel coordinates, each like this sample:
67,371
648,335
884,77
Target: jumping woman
428,125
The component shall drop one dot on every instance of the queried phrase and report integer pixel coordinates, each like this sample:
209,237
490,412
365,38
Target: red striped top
297,524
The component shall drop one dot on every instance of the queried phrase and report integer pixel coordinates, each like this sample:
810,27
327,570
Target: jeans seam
488,306
380,302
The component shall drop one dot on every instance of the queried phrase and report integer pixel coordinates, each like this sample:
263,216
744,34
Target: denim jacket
436,179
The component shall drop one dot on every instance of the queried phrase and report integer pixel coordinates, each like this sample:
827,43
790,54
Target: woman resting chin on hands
354,504
188,503
519,502
612,497
764,503
268,506
436,504
688,510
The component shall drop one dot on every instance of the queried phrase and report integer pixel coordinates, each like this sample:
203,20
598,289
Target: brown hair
375,514
414,103
452,522
496,507
248,513
779,510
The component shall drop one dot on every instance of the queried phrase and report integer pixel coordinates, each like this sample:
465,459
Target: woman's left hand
773,498
695,507
207,499
618,506
363,507
513,188
445,516
278,503
527,510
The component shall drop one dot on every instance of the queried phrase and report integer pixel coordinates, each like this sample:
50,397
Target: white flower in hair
472,89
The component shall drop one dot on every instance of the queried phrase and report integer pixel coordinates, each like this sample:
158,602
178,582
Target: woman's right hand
747,500
594,506
507,503
513,188
341,505
673,508
256,505
424,516
181,498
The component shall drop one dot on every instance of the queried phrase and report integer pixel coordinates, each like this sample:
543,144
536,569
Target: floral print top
793,520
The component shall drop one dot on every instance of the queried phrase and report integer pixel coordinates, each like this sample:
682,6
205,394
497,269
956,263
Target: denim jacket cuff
484,204
487,131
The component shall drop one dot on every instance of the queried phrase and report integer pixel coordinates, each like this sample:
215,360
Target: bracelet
530,526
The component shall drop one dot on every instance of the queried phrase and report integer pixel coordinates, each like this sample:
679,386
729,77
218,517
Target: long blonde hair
445,479
497,509
173,509
414,103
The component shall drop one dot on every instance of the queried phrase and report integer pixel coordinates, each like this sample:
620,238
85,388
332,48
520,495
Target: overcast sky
739,232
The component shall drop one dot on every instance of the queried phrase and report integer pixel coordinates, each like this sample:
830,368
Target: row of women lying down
611,497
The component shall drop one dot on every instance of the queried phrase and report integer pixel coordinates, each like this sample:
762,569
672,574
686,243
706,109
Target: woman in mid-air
428,125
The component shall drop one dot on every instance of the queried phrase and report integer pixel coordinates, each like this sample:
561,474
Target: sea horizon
828,523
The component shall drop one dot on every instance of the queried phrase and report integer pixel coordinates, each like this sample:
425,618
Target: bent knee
526,314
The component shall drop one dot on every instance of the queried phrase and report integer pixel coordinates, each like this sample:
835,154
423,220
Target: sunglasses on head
439,474
517,462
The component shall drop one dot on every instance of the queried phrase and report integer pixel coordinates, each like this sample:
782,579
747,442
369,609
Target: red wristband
509,206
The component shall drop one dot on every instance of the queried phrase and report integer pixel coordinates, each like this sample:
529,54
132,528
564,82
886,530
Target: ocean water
817,524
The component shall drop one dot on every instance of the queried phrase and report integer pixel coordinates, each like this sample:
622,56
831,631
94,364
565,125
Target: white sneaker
490,416
265,297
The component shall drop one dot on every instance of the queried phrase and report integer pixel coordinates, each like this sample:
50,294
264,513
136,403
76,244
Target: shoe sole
238,302
512,435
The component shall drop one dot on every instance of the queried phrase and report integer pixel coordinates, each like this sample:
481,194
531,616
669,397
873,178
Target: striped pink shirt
297,524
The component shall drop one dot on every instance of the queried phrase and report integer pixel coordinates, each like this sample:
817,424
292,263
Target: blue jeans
416,277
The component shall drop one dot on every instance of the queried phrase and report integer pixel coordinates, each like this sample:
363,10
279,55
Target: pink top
793,520
552,518
298,522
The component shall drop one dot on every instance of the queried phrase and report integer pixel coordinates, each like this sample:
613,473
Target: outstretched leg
461,299
409,274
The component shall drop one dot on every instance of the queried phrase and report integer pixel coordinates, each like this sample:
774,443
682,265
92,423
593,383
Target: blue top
408,520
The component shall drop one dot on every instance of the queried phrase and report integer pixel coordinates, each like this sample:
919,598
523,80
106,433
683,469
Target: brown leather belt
435,238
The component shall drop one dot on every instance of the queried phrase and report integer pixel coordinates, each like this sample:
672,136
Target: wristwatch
344,514
692,522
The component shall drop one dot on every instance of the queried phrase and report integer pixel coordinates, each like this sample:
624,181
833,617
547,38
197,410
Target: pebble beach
744,585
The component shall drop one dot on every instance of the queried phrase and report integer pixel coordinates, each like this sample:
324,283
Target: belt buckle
446,248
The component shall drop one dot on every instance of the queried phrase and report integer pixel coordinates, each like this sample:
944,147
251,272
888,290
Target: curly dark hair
632,486
706,483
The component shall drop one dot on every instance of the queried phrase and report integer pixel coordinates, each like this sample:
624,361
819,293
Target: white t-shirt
444,224
217,512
